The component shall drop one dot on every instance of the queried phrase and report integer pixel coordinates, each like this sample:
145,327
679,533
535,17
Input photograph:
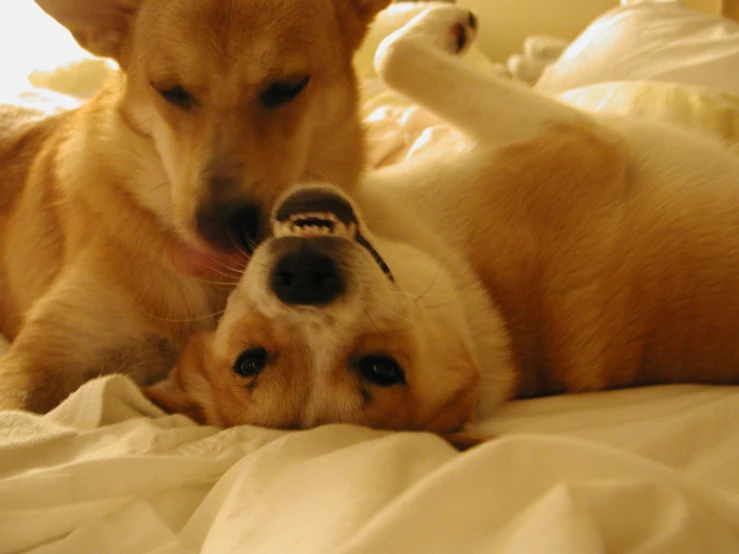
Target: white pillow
650,40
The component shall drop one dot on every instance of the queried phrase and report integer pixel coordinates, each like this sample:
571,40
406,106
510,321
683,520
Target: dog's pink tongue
207,265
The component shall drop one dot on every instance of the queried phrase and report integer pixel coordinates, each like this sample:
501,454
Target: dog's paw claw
451,28
464,33
472,21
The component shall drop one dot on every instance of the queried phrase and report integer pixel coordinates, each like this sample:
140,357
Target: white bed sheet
645,470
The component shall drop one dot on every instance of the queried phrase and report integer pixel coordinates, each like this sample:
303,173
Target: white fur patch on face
325,403
154,175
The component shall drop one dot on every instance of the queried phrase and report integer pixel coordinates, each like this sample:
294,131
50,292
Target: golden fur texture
124,223
559,251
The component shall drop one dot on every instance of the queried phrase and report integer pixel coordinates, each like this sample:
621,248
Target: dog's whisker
425,325
191,319
416,295
378,329
394,418
231,274
218,283
320,175
157,187
434,280
230,270
239,245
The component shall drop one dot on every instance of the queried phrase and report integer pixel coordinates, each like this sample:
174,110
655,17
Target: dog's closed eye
176,95
280,93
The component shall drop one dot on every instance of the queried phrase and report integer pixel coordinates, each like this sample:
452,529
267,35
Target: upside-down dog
123,223
558,251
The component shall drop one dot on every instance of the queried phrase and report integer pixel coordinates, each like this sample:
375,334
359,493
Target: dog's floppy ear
186,389
355,17
99,26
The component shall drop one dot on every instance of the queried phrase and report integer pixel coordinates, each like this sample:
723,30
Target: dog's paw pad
462,37
466,33
472,21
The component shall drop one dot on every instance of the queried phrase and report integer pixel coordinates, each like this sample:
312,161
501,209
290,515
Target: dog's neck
409,211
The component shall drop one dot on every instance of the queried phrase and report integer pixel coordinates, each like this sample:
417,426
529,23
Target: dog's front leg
82,328
420,61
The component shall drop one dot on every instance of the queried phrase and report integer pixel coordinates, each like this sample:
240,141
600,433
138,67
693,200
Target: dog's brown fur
595,300
104,250
560,251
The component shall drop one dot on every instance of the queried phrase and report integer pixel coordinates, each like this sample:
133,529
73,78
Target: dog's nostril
284,278
230,228
306,277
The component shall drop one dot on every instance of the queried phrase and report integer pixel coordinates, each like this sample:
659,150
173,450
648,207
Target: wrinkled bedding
645,470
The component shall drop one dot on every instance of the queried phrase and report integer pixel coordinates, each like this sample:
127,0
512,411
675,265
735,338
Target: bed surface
646,470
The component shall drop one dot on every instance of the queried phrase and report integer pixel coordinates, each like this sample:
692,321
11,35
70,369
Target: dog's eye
282,92
251,362
381,370
177,96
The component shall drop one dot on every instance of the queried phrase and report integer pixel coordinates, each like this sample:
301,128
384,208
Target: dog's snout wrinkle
305,276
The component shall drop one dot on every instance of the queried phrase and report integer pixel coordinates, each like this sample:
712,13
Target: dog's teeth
316,224
281,228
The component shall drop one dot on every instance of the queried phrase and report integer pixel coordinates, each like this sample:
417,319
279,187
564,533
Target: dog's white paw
449,28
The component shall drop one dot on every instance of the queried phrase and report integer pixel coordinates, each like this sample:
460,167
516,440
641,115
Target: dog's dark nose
230,227
304,276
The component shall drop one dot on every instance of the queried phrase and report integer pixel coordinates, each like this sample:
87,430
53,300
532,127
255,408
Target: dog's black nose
304,276
230,227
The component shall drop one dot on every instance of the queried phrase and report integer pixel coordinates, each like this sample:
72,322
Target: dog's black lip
312,201
309,201
383,266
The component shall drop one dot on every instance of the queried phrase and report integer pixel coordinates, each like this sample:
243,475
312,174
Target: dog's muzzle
309,220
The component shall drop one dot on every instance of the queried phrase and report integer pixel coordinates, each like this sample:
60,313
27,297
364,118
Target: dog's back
22,134
612,267
28,144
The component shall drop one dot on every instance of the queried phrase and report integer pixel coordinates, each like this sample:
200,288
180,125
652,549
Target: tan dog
113,215
559,252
